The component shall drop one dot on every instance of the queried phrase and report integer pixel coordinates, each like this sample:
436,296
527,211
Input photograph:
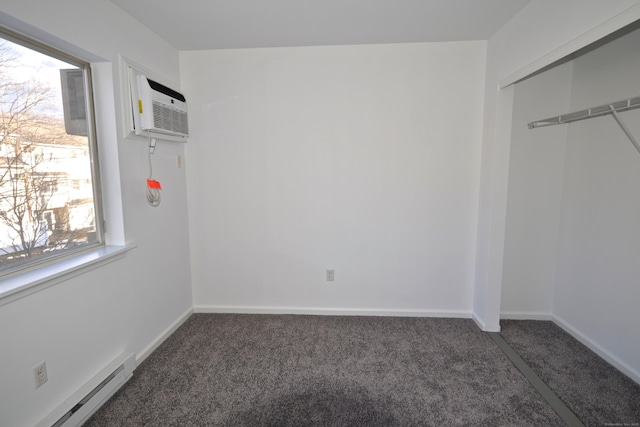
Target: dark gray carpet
595,391
284,370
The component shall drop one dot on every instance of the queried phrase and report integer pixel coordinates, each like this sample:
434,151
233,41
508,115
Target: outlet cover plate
40,372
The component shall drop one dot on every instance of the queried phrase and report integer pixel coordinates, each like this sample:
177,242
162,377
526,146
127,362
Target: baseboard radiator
86,401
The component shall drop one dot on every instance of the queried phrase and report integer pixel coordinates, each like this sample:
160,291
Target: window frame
24,268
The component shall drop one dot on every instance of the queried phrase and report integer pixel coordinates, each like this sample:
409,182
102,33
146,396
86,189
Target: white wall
363,159
540,28
536,170
80,325
597,293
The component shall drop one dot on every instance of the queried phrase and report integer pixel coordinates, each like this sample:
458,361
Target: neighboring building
47,199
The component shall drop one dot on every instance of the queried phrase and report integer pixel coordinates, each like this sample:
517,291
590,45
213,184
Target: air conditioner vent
170,119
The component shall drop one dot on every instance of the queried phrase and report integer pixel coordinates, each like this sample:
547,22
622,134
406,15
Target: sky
35,65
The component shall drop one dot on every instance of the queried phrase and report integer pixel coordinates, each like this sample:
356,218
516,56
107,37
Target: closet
572,242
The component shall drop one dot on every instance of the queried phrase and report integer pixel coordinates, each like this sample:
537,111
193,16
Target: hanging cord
153,186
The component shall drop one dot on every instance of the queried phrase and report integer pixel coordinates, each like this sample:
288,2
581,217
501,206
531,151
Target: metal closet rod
613,108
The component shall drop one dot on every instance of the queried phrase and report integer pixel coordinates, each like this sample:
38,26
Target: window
47,147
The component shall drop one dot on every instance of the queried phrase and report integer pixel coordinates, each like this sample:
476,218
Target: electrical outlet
40,372
330,276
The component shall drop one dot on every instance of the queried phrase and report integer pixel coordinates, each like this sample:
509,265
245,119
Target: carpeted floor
285,370
595,391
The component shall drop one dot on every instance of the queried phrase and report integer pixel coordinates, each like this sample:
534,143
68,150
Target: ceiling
228,24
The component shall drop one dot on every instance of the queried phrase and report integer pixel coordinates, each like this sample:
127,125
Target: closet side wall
534,195
598,272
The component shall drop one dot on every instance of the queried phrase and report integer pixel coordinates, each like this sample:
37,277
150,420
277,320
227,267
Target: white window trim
31,281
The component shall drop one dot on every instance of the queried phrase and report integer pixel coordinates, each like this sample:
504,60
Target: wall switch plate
40,372
330,275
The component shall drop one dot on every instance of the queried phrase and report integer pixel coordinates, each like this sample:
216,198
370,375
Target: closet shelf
613,108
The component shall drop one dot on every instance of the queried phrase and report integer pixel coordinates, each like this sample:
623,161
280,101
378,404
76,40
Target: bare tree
25,195
27,184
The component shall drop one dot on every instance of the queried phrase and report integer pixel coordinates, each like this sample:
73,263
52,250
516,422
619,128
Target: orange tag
152,183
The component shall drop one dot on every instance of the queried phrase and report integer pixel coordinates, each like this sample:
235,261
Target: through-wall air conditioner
157,109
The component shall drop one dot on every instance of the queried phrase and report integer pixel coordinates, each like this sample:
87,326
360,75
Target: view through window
47,203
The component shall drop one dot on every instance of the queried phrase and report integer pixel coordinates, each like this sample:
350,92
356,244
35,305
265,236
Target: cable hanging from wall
613,108
153,186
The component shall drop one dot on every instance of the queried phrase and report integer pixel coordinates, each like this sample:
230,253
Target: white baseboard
478,321
521,315
483,325
598,349
163,336
321,311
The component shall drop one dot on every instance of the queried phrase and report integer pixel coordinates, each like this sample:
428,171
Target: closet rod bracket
624,127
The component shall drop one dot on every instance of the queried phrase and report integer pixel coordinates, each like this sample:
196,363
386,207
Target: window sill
29,282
